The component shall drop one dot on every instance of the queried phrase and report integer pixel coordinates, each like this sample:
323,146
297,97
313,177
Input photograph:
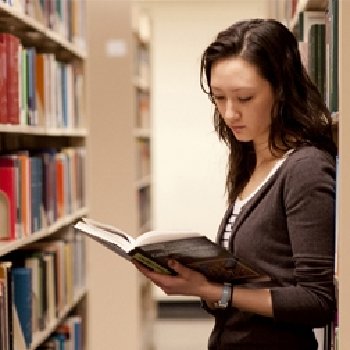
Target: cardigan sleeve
309,198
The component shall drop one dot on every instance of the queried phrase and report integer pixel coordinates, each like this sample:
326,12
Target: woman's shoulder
311,155
307,165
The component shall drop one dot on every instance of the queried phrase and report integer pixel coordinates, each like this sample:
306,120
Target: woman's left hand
187,282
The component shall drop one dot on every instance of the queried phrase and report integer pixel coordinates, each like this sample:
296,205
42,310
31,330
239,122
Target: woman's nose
231,112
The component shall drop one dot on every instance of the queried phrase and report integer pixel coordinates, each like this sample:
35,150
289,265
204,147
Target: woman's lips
237,128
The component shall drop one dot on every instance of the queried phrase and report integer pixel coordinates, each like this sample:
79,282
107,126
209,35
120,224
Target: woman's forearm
251,300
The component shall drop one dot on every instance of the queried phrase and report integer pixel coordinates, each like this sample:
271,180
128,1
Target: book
153,249
22,307
12,49
6,324
22,302
3,80
8,198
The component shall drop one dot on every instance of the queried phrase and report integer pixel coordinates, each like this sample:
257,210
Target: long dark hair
299,115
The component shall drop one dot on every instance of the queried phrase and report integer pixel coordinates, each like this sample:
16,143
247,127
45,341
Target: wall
189,163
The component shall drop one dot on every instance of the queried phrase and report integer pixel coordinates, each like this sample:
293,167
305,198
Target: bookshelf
43,136
119,170
141,27
289,13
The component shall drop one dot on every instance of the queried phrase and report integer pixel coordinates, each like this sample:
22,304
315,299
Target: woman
281,193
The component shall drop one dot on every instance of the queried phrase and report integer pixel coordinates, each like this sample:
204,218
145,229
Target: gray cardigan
286,231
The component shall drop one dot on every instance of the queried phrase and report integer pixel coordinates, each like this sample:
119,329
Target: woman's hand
188,282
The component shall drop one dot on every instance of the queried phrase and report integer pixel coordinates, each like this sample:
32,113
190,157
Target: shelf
40,337
142,133
9,246
141,84
37,130
304,5
38,32
144,182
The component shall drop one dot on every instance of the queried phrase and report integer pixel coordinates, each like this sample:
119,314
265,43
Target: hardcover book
154,248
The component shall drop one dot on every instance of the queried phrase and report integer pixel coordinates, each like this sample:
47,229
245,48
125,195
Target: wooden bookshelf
120,180
33,138
339,334
343,218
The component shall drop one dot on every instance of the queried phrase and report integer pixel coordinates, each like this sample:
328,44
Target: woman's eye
218,98
245,98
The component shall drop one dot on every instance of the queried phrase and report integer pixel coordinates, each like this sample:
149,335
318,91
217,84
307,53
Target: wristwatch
226,296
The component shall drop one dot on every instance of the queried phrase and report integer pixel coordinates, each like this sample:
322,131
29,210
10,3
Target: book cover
40,87
153,249
22,301
12,49
3,80
37,210
333,85
7,323
8,198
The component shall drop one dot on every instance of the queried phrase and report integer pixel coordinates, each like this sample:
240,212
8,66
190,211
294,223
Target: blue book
36,163
77,334
22,300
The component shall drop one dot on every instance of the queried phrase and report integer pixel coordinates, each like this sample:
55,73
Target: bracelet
226,297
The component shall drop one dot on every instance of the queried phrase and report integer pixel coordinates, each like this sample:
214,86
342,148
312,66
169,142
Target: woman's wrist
218,296
212,292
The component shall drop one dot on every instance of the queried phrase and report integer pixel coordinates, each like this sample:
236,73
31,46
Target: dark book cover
197,253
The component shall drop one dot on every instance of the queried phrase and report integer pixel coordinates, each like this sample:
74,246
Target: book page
109,228
112,238
152,237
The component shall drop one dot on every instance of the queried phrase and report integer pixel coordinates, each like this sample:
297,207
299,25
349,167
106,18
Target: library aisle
184,334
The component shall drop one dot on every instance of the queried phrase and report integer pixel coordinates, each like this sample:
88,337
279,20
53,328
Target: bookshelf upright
42,173
336,55
119,170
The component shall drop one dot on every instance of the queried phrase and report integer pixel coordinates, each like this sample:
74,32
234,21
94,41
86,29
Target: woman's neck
264,154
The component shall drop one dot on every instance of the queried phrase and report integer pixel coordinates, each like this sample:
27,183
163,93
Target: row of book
68,336
318,44
36,89
143,117
144,208
142,64
37,284
143,146
39,187
62,16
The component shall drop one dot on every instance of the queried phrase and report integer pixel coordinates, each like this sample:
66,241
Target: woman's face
243,98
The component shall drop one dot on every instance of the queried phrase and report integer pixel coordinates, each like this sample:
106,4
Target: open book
154,248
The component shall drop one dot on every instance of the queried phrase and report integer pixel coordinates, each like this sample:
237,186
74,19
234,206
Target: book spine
3,80
22,300
12,49
7,200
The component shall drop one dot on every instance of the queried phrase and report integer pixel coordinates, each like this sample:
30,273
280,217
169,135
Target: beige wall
189,163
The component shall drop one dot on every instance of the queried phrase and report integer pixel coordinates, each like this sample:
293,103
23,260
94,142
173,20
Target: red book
12,48
3,78
7,199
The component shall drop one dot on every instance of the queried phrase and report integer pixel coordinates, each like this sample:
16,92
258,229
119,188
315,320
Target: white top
239,203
